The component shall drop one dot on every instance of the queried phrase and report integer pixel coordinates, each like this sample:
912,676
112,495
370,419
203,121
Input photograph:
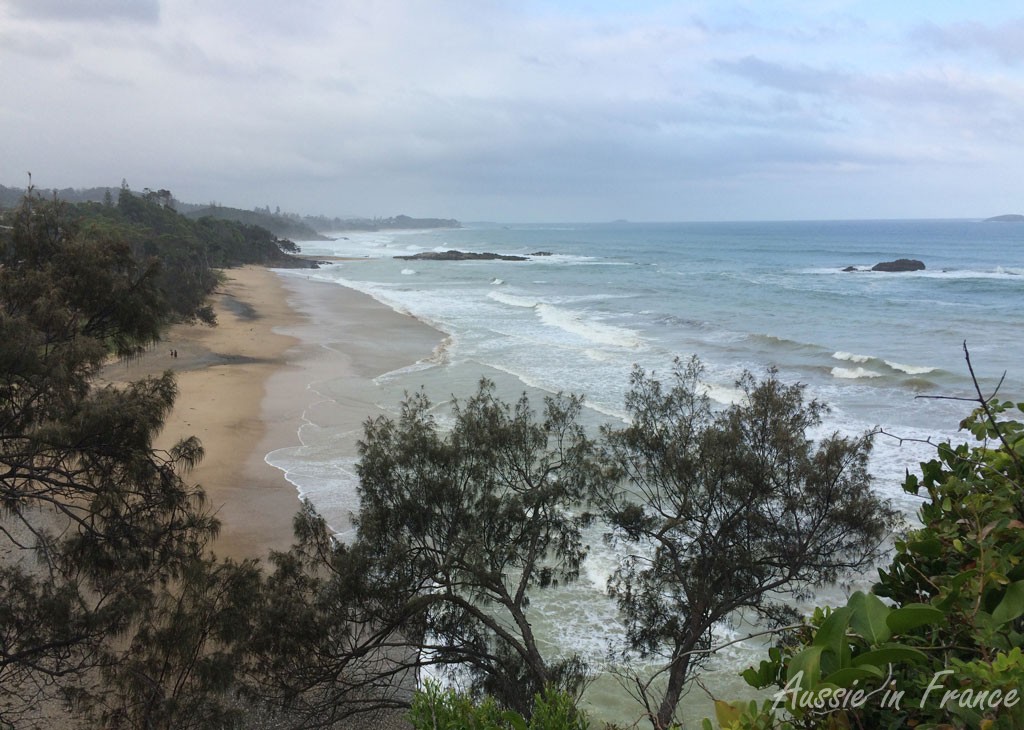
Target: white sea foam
578,324
558,258
387,295
998,272
407,370
439,357
866,373
601,562
910,369
854,373
850,357
583,298
727,396
408,272
512,300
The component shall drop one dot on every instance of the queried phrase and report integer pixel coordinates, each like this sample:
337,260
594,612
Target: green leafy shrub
436,709
945,651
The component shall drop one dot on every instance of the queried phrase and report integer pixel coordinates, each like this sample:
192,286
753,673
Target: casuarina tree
458,527
727,510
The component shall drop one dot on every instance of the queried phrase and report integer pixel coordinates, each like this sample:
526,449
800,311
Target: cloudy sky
525,110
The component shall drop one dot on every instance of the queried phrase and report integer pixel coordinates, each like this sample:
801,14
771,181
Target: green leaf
846,676
890,654
807,665
909,617
762,676
954,588
928,548
1012,605
961,578
514,719
727,714
831,635
869,617
910,484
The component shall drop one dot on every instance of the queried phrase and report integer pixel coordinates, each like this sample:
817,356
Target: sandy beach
244,387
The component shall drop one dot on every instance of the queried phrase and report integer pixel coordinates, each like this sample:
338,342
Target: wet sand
244,387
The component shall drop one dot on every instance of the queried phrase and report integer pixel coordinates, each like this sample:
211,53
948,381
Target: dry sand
243,387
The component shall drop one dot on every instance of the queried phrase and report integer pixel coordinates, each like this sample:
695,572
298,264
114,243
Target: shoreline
247,386
345,339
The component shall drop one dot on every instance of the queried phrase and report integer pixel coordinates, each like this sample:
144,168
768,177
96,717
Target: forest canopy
282,224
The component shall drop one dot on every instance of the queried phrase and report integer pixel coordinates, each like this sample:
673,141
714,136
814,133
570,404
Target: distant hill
1008,218
312,228
398,222
283,226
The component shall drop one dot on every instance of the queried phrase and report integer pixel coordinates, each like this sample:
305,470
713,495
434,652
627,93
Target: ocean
593,300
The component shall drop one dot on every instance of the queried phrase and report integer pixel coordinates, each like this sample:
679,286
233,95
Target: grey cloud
792,78
461,108
747,23
192,59
141,11
936,90
1005,42
776,113
29,43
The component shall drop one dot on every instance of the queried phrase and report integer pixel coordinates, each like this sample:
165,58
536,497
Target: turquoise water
741,296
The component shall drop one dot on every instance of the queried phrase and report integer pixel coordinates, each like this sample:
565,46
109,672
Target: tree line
283,224
116,611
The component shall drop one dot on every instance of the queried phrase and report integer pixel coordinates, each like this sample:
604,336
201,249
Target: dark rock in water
851,268
1009,218
542,253
453,255
899,265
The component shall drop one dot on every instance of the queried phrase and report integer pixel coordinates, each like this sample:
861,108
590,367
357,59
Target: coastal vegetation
116,611
938,640
282,224
100,533
457,531
285,226
729,510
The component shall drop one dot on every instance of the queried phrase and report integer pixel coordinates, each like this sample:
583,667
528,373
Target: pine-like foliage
728,510
458,527
96,526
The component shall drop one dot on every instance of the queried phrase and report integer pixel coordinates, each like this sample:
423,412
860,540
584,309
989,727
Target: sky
525,111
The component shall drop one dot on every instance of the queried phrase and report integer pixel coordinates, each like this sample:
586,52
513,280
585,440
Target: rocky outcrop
899,265
453,255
